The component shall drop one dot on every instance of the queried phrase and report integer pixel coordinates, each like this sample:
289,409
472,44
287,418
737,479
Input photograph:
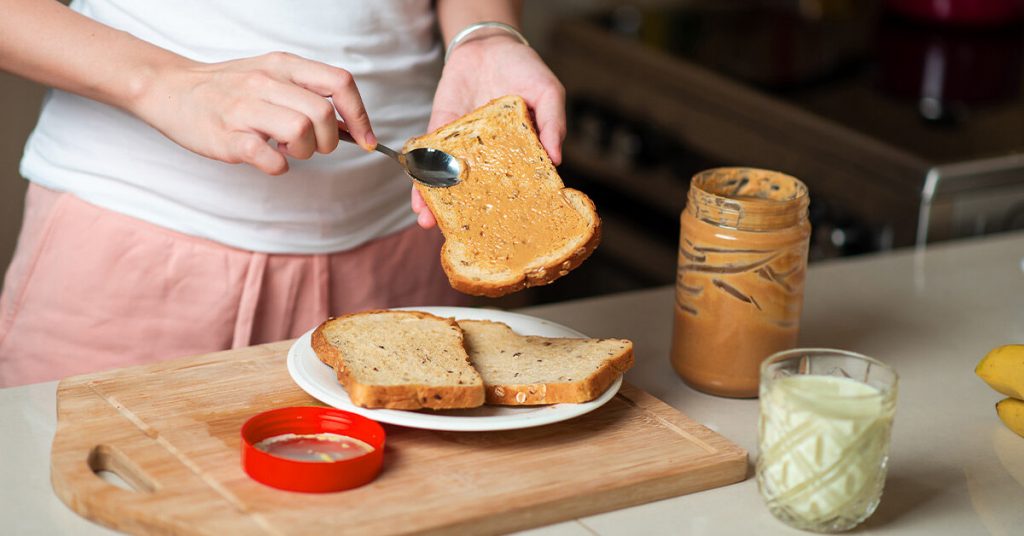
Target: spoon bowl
427,166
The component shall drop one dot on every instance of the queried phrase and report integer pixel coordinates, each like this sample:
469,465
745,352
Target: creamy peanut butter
504,174
739,286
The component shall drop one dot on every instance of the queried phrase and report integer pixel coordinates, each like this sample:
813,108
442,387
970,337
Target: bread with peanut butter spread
523,370
399,360
510,223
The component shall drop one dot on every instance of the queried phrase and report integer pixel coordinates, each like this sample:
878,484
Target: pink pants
90,289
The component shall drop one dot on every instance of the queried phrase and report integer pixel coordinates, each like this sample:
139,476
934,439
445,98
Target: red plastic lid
311,476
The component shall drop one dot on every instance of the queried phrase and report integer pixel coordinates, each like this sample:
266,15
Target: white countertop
955,469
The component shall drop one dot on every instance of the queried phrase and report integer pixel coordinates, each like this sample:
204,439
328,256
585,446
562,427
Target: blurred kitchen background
904,117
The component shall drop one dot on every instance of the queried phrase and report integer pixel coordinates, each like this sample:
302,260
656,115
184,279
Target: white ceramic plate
319,381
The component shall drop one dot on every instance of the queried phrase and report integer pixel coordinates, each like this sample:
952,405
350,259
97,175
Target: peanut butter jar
740,282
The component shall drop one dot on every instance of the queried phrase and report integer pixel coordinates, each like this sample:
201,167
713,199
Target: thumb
440,118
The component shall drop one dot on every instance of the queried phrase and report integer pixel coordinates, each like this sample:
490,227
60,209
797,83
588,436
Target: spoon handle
344,135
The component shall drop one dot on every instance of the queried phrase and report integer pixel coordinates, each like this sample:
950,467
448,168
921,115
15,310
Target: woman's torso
328,203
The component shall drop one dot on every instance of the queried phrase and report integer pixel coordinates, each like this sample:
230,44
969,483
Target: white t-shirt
328,203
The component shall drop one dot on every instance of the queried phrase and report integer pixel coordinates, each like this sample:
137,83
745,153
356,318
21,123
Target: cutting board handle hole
113,466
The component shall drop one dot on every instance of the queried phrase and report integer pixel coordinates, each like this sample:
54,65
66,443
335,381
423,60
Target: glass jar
739,286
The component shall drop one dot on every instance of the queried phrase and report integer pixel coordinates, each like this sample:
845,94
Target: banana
1011,411
1003,370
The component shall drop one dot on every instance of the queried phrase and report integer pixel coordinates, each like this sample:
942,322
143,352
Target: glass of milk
826,418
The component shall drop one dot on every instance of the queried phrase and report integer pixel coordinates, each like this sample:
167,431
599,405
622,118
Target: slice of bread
511,223
523,370
400,360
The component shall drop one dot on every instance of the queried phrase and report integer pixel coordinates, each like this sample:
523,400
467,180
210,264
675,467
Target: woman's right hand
228,111
232,111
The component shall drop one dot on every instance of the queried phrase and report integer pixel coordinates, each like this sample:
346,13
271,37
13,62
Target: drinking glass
824,433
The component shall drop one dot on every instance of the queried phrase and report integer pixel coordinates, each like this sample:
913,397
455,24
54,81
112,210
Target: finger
416,200
318,109
291,129
253,149
440,118
425,219
341,87
549,111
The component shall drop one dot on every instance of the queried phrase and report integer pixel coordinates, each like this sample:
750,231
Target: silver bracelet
462,35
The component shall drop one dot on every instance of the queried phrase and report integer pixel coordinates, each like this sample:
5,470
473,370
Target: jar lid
312,449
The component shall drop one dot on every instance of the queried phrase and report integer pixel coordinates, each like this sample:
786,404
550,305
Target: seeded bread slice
511,223
526,370
400,360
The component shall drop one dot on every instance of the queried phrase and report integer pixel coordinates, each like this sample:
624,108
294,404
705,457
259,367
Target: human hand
484,69
229,111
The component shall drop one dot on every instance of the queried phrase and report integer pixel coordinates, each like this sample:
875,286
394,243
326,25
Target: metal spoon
430,167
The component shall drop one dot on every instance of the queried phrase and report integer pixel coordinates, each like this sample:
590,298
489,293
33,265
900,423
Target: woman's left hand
483,69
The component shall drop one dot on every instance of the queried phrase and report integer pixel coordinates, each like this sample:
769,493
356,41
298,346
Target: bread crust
533,278
536,276
566,392
418,396
408,396
581,390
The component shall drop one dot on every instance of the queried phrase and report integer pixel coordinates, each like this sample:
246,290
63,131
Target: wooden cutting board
171,430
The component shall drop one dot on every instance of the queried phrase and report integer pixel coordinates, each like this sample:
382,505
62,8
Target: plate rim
415,419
